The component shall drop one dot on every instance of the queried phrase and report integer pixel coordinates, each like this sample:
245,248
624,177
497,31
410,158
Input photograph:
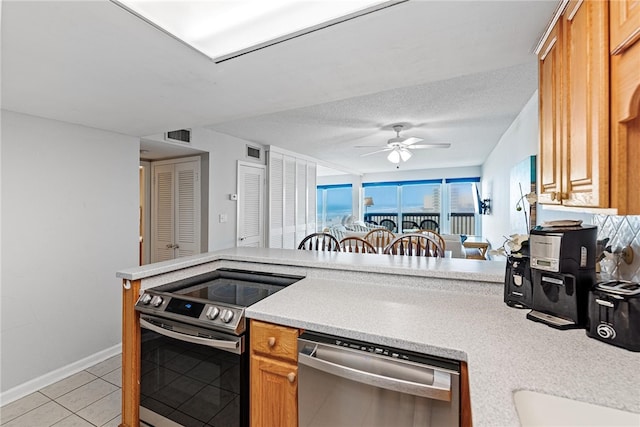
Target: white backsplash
622,231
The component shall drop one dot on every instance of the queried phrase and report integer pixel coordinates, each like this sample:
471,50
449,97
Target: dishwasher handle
440,389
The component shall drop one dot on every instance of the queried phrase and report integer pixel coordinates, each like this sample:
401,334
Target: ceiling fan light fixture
394,156
405,154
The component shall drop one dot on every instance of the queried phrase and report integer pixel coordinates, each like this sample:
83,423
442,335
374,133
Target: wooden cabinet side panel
624,24
273,395
586,71
625,131
549,178
465,397
130,356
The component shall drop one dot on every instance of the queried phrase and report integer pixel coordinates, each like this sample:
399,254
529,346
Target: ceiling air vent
253,152
181,135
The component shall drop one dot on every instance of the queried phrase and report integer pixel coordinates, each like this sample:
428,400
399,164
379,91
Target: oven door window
192,384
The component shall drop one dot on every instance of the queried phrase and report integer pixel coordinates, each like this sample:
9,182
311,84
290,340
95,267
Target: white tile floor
90,398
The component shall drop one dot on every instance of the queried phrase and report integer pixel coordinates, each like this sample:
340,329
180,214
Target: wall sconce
485,207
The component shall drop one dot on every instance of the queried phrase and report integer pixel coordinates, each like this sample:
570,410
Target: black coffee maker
562,261
518,291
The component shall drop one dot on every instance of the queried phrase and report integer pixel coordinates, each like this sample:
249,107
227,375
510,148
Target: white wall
518,142
69,222
224,153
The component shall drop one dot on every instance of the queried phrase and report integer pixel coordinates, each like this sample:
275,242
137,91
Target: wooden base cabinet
274,375
274,393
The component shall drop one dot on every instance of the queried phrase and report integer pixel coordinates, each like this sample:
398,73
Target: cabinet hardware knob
271,341
291,377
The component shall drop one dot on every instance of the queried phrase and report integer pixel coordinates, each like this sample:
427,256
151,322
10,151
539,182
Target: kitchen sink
539,409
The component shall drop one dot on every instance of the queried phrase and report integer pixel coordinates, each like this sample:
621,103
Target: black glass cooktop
237,287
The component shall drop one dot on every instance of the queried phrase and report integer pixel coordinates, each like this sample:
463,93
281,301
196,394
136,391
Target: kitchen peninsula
444,307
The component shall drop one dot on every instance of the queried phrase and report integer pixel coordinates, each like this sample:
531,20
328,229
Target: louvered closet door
250,204
311,198
187,213
276,199
162,214
175,217
301,200
289,226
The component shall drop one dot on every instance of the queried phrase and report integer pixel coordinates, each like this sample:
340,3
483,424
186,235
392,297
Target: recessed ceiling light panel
224,29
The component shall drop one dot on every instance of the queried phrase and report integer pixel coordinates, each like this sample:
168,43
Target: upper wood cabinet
550,77
624,25
625,106
574,108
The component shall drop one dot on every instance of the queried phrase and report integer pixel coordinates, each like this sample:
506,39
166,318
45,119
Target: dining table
477,247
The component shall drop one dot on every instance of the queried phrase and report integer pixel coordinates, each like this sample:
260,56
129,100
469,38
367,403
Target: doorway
250,209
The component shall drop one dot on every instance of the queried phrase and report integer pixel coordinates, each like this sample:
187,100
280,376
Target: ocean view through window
334,204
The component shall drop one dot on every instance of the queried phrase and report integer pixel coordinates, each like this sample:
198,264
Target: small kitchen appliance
517,283
563,259
614,313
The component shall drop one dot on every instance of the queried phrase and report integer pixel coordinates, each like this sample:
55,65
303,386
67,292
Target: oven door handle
440,389
223,344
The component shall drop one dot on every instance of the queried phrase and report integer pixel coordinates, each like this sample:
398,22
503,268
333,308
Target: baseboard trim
49,378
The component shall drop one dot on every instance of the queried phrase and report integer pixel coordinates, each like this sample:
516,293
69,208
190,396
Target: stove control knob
146,299
226,315
156,301
212,312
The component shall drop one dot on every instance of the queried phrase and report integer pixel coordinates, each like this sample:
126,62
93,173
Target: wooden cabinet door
586,120
624,24
550,99
274,392
625,130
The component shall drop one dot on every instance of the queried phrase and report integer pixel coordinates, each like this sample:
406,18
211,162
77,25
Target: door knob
271,341
291,377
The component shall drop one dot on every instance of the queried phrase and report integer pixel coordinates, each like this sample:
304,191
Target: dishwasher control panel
383,351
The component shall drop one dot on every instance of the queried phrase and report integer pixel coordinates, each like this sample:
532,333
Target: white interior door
175,217
251,179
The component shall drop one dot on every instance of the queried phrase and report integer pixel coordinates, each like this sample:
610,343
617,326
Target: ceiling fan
400,148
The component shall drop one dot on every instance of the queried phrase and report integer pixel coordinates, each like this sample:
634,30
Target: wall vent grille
253,152
180,135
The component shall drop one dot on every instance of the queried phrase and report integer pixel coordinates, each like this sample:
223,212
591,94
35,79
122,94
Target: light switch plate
223,218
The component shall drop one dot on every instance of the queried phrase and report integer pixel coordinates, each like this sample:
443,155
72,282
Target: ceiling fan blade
376,152
411,140
430,145
369,146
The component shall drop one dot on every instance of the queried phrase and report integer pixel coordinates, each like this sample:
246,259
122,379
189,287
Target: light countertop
445,307
505,352
444,268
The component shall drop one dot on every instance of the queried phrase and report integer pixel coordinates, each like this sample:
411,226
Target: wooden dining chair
379,238
435,236
414,244
389,224
357,245
429,224
320,242
410,225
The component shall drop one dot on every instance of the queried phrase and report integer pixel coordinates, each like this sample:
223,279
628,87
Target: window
450,203
463,218
334,204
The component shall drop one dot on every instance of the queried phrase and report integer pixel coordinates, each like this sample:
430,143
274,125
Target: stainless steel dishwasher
344,382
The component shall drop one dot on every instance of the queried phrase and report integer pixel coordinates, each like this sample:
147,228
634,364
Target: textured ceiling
455,71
